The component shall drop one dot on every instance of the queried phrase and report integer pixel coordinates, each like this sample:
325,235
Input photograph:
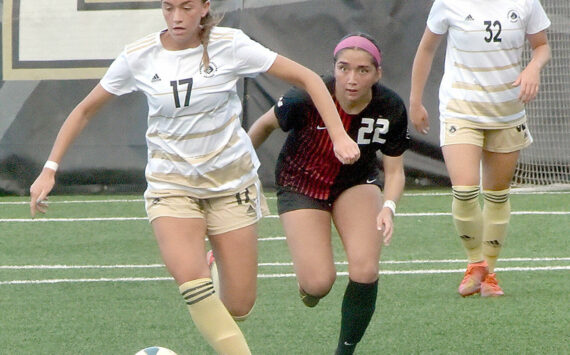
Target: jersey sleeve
437,21
538,20
291,109
397,139
251,57
119,80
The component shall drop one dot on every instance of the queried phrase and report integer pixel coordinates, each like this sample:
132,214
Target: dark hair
206,24
368,37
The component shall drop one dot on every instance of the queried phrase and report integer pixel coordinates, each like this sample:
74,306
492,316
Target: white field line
429,271
137,200
270,239
524,191
154,266
274,276
88,219
123,219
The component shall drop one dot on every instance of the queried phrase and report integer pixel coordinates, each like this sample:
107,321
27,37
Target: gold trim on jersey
222,35
486,69
485,109
189,136
194,89
476,87
489,50
459,29
210,180
141,44
158,154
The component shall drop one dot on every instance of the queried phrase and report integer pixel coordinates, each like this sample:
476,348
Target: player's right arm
420,73
71,128
262,127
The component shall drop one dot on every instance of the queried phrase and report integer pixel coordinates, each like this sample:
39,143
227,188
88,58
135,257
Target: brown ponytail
207,23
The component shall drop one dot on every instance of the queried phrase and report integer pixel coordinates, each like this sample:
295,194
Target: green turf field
87,279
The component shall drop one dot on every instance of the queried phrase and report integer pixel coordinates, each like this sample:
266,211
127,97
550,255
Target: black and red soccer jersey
307,163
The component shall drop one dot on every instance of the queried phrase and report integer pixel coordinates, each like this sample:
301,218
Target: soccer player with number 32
482,115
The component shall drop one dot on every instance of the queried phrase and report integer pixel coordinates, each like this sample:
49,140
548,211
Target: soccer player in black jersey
313,187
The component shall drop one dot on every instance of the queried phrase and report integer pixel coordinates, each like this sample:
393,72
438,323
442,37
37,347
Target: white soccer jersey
483,57
196,145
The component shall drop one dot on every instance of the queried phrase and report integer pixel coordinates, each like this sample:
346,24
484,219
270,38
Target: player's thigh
308,233
181,244
498,169
236,259
463,163
500,155
354,215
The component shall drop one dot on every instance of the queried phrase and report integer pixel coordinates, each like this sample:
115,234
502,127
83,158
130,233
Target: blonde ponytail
207,23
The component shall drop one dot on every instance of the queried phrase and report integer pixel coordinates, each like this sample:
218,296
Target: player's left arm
529,78
394,182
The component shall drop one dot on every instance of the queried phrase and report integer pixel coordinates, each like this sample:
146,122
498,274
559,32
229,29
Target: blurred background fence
54,53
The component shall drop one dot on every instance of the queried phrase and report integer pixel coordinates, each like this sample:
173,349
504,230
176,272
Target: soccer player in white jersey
482,115
202,168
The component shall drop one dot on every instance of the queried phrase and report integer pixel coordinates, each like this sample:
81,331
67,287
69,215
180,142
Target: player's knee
241,311
319,286
465,201
496,206
364,273
244,314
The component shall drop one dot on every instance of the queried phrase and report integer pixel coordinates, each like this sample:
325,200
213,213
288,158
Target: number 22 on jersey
371,130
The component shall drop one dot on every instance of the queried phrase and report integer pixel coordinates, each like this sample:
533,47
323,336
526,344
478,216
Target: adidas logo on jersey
469,18
155,78
251,211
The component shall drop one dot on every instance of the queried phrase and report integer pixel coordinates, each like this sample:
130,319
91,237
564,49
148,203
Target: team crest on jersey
210,71
513,16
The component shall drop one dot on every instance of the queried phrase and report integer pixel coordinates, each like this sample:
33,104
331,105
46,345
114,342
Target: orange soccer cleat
475,274
490,287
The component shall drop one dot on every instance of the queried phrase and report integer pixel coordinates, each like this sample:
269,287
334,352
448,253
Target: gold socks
212,318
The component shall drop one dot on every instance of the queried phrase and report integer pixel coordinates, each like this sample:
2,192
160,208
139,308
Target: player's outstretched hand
529,81
39,190
385,224
346,150
419,117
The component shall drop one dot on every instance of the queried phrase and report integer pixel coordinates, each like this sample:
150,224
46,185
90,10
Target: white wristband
51,165
391,205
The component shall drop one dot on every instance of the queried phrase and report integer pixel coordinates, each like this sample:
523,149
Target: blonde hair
206,24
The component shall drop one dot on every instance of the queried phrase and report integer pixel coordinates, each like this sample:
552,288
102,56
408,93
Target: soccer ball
156,350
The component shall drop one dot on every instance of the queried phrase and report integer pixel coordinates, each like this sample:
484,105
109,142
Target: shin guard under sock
496,216
212,318
358,306
468,220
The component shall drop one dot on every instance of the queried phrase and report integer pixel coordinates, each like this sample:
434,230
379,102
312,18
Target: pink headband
359,42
